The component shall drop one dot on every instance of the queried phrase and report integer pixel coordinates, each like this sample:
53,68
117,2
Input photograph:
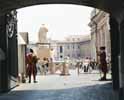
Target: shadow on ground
94,92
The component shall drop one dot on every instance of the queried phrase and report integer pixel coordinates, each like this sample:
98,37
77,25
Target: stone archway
106,5
114,7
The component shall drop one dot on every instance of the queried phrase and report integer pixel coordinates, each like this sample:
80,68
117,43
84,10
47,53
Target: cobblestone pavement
55,87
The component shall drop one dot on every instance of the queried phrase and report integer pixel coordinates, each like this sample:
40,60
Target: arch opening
102,5
52,46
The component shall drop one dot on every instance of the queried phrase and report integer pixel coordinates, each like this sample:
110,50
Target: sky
60,19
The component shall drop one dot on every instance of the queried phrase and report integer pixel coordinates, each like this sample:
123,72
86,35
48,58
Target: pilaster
115,51
121,59
4,77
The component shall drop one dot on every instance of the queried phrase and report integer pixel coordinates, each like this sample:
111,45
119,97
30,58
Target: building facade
22,45
85,49
100,35
74,46
70,49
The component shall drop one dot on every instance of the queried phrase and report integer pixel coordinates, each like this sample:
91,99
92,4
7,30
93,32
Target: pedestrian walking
45,65
52,67
86,64
39,66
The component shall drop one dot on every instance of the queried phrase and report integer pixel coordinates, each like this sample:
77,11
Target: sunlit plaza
73,87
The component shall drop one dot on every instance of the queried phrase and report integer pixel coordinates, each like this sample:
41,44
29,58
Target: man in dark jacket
103,63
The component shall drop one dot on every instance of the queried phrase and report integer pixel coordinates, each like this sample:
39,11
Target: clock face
10,29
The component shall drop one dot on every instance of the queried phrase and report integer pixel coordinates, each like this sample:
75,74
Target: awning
21,40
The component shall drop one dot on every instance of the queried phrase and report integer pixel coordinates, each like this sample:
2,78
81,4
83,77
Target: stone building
70,49
74,46
22,45
9,66
100,35
85,48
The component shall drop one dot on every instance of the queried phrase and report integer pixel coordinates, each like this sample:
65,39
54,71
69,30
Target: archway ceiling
107,5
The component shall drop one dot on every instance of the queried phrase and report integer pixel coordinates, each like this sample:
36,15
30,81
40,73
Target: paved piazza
55,87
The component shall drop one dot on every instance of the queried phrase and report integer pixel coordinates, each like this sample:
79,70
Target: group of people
31,61
43,65
35,64
86,65
101,64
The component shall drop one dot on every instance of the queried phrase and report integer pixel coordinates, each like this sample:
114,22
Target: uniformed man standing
103,63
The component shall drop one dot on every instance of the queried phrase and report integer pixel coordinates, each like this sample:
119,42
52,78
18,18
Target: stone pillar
115,51
8,44
51,66
12,44
4,76
65,69
107,36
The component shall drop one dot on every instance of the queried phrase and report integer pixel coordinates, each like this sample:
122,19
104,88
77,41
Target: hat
31,50
102,48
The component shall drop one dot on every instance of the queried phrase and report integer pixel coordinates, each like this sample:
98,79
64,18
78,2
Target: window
61,56
68,47
78,47
73,46
78,55
61,49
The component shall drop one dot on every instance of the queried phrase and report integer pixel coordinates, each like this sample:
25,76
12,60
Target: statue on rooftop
42,34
